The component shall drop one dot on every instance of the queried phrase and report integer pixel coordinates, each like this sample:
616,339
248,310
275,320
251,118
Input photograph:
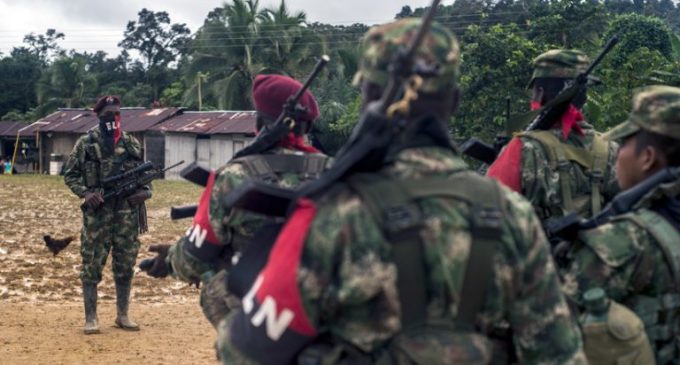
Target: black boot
90,300
122,302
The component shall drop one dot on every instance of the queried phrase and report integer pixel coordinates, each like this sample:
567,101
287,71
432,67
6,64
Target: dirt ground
41,313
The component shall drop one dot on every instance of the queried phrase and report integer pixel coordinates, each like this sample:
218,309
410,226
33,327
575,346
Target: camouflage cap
655,109
560,63
380,43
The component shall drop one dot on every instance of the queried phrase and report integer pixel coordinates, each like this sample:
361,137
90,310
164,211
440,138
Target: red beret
270,93
105,101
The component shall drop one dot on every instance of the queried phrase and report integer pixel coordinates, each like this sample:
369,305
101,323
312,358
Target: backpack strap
559,156
394,205
600,152
665,234
665,335
268,167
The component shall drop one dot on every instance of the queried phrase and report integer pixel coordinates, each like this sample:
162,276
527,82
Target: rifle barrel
607,47
173,166
317,68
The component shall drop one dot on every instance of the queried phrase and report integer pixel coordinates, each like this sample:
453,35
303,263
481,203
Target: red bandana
569,119
117,132
297,143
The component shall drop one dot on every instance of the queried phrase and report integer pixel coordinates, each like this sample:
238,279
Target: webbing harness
561,154
394,205
268,167
661,314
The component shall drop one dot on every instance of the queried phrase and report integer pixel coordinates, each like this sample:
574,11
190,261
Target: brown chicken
56,245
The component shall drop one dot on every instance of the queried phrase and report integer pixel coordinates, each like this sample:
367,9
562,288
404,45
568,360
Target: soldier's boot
90,300
122,302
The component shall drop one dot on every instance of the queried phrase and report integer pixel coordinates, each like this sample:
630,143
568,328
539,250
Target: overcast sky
91,26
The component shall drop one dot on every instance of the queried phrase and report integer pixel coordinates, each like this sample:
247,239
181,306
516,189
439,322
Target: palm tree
240,41
224,49
66,83
286,44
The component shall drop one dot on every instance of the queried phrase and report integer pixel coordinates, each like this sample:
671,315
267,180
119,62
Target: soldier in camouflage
220,234
335,288
568,168
112,225
635,257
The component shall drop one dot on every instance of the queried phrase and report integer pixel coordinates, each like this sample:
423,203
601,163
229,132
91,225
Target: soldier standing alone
112,225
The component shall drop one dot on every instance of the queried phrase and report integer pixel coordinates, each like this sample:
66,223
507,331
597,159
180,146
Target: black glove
139,197
93,200
156,267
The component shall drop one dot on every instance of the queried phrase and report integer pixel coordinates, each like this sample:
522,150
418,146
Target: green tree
66,83
496,65
637,31
159,42
223,48
45,45
19,74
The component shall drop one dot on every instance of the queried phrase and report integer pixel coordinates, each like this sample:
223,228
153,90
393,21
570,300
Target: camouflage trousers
216,301
109,230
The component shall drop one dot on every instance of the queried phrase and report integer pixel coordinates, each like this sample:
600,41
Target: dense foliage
213,68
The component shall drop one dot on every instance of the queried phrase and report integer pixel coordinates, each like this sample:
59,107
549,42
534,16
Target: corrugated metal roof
10,129
82,120
212,122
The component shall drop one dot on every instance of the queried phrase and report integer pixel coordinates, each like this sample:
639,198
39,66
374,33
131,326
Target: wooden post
14,155
200,98
39,143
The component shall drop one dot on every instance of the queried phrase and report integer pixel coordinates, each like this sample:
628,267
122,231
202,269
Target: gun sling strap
559,156
394,205
267,167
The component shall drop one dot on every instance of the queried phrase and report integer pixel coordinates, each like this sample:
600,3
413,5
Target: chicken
56,245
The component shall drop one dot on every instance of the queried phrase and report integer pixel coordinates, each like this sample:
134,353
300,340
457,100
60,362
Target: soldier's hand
93,200
156,267
139,197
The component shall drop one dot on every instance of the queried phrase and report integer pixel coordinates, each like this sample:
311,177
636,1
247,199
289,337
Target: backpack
394,205
594,161
268,167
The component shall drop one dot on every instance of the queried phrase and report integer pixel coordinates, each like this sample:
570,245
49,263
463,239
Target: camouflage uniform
111,225
114,226
543,179
232,228
219,234
626,257
340,280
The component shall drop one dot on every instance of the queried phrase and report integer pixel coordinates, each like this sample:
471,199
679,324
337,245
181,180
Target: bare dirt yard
41,311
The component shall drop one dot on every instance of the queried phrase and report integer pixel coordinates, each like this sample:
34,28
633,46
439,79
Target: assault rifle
626,201
540,119
270,136
128,182
367,145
